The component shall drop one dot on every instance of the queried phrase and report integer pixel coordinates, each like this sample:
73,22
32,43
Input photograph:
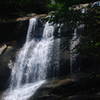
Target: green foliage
97,44
63,11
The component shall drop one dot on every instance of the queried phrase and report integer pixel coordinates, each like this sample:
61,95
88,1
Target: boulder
77,87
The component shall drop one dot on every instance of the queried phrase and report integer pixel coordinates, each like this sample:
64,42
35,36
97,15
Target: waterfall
32,62
74,42
73,54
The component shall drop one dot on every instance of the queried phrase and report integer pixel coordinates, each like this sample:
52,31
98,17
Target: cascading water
31,65
73,43
73,49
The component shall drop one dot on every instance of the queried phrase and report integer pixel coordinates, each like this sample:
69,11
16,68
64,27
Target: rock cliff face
7,54
12,30
89,51
15,29
12,37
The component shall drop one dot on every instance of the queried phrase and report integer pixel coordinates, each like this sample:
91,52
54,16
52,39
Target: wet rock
84,97
15,29
85,87
8,54
3,48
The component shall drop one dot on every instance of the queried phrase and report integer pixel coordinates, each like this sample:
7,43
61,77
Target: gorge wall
13,33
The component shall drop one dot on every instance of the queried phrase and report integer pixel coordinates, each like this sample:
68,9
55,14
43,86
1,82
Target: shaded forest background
18,7
12,7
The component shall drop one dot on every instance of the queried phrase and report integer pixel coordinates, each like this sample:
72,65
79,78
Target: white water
73,49
31,65
73,43
22,93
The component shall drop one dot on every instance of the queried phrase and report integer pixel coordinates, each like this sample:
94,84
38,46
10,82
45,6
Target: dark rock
13,34
5,70
84,97
4,77
11,31
85,87
15,29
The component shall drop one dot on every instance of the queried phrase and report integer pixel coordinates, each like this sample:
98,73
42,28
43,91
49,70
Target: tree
62,11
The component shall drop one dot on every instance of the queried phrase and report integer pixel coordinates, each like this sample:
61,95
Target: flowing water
73,49
32,62
73,43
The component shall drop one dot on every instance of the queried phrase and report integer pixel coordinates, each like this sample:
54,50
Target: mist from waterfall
32,62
